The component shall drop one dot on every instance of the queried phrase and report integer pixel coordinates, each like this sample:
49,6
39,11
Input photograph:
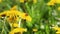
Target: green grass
40,13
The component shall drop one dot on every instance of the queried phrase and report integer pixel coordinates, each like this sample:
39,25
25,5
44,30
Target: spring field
29,16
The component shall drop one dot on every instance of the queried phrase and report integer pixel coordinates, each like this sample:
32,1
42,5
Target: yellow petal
58,8
58,32
16,30
56,28
34,1
22,1
15,25
57,1
52,2
28,18
14,8
25,16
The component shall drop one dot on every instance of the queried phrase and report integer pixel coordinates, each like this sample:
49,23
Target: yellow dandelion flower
35,30
18,31
21,14
52,2
34,1
13,14
57,28
22,1
10,16
57,1
58,8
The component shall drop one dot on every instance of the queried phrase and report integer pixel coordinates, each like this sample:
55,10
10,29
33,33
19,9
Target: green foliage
40,13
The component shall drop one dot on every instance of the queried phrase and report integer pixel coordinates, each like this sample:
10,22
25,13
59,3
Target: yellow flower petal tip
57,1
21,1
34,1
58,8
14,7
25,16
28,18
18,30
